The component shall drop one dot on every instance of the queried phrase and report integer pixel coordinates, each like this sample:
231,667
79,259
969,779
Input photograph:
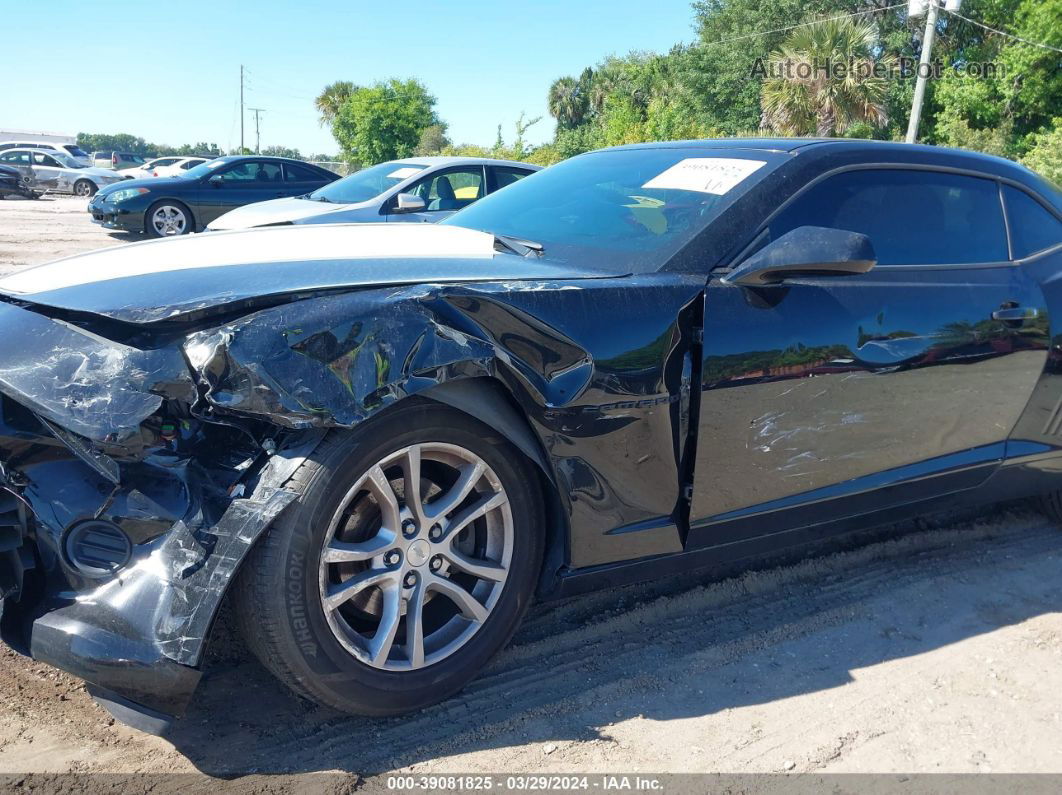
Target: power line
805,24
874,11
1004,33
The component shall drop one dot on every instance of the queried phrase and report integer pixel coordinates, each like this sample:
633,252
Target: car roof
767,144
36,149
837,152
457,160
234,158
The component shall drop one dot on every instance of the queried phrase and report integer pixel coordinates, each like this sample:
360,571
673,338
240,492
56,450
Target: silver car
51,171
412,189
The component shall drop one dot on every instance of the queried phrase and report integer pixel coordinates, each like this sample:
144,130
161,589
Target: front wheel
85,188
168,219
405,564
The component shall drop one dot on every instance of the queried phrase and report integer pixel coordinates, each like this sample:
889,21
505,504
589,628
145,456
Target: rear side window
1033,227
294,173
912,217
506,176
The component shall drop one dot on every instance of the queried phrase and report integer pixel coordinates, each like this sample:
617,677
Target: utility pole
257,138
241,109
924,69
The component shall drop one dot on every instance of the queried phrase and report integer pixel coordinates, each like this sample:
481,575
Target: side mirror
806,251
409,203
216,181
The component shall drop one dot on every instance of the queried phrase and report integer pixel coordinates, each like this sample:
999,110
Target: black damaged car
384,441
11,184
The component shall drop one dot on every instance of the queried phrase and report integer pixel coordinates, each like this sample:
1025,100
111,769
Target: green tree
997,111
433,140
568,102
801,96
282,151
1045,153
331,99
384,121
122,142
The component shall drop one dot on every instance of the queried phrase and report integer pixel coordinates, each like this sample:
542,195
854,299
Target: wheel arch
488,401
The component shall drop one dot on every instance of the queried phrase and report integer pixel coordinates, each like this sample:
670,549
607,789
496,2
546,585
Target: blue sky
111,67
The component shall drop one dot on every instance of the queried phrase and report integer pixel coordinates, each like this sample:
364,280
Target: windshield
203,169
75,150
367,183
66,160
621,210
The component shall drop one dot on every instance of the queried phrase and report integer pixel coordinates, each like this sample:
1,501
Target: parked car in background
117,160
165,206
179,166
411,189
11,183
48,170
148,168
73,150
168,166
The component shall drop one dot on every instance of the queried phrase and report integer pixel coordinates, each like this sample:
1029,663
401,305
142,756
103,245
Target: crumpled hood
186,277
277,211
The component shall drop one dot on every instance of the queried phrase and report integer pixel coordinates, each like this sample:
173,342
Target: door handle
1016,313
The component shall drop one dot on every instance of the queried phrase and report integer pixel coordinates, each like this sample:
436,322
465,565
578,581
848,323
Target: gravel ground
926,648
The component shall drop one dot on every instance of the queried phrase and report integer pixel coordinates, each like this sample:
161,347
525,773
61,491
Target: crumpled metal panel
607,407
126,633
97,388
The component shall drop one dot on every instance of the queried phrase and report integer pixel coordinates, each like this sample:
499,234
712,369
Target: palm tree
331,99
567,101
804,94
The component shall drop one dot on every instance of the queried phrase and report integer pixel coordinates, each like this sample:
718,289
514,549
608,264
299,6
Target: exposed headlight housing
125,194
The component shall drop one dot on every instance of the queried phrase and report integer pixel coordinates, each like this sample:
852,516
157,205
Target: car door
20,160
444,192
833,396
49,173
237,184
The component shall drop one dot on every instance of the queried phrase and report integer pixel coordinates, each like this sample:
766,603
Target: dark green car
165,206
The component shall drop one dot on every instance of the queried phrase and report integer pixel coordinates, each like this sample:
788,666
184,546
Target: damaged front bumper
123,514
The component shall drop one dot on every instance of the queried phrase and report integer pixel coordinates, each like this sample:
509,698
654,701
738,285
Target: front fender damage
186,439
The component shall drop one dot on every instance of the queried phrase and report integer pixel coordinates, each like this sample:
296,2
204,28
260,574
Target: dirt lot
938,650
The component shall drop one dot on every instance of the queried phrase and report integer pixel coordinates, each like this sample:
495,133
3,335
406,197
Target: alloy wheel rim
168,220
82,189
409,575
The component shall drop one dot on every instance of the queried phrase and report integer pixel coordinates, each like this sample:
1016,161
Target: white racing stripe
253,246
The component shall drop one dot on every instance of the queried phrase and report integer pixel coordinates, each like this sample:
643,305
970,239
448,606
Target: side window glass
43,160
1032,226
451,190
250,171
507,176
294,173
912,217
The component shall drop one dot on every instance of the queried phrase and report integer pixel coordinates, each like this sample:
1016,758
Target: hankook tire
370,600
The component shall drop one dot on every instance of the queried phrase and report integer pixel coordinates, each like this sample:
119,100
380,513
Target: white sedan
170,166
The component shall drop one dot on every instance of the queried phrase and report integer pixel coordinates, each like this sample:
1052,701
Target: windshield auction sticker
716,175
403,173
